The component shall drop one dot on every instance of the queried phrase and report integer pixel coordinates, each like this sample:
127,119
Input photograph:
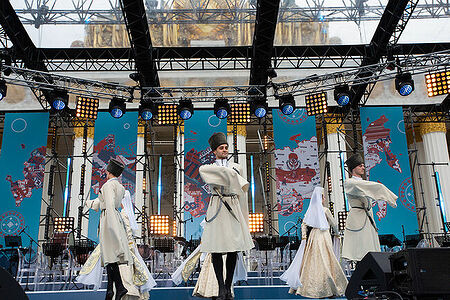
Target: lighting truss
432,62
38,13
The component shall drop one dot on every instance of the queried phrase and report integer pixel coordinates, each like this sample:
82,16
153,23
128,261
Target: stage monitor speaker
10,288
373,273
422,272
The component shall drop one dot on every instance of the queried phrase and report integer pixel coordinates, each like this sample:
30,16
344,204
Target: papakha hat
115,167
354,161
217,139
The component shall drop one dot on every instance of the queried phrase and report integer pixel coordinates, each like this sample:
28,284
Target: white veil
129,210
315,215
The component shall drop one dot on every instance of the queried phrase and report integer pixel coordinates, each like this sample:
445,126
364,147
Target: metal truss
217,58
376,72
44,81
40,12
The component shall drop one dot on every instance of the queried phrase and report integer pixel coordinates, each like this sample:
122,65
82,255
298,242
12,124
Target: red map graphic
378,140
33,173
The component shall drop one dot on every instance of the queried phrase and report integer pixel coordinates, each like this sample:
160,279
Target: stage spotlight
316,103
222,108
117,107
259,107
240,113
404,84
256,222
185,109
342,94
159,225
287,104
63,224
87,108
59,99
147,109
3,89
167,114
438,83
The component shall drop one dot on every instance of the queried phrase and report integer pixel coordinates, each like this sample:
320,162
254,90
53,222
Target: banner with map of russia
22,162
386,159
197,152
296,166
113,138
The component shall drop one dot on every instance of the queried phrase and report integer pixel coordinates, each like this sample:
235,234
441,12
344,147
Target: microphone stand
29,257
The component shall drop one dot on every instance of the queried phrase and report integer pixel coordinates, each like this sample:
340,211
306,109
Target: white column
436,151
140,161
336,148
78,161
179,184
422,184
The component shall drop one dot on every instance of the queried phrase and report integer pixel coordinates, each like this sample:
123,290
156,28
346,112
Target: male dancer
112,235
226,230
361,232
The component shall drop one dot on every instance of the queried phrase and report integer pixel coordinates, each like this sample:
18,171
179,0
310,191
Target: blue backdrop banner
22,173
197,131
386,160
296,165
113,138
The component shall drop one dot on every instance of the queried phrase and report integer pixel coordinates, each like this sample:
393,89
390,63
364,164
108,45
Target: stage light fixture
167,114
404,84
316,103
147,109
59,99
438,83
63,224
240,113
342,218
86,108
256,222
185,109
159,225
222,108
117,107
342,95
287,104
258,107
3,89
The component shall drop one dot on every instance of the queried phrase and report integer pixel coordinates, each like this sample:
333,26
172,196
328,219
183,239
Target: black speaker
422,272
10,288
373,273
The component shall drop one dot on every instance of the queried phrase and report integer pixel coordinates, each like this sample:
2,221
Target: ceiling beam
138,30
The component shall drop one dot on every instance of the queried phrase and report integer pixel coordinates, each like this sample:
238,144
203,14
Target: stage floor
242,292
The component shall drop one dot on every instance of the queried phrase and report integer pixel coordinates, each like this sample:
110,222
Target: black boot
109,287
218,270
231,265
120,289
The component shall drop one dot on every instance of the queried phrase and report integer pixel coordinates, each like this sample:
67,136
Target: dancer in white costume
361,233
226,230
315,271
136,277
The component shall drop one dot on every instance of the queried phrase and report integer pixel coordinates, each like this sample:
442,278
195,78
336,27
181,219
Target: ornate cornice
240,129
425,128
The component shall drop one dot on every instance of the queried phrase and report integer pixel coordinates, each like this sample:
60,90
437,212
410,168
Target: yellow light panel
316,104
159,225
86,108
240,113
167,114
437,83
256,222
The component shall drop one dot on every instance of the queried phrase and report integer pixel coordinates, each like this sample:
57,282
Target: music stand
13,241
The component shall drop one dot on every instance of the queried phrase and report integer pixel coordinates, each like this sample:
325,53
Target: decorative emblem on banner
297,117
33,172
11,223
103,152
296,173
378,140
406,194
195,190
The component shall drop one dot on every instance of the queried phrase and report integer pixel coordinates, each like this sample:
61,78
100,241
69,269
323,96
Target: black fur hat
354,161
217,139
115,167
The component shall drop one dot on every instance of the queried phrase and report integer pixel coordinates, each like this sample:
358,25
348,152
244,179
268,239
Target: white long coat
360,237
112,235
225,233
